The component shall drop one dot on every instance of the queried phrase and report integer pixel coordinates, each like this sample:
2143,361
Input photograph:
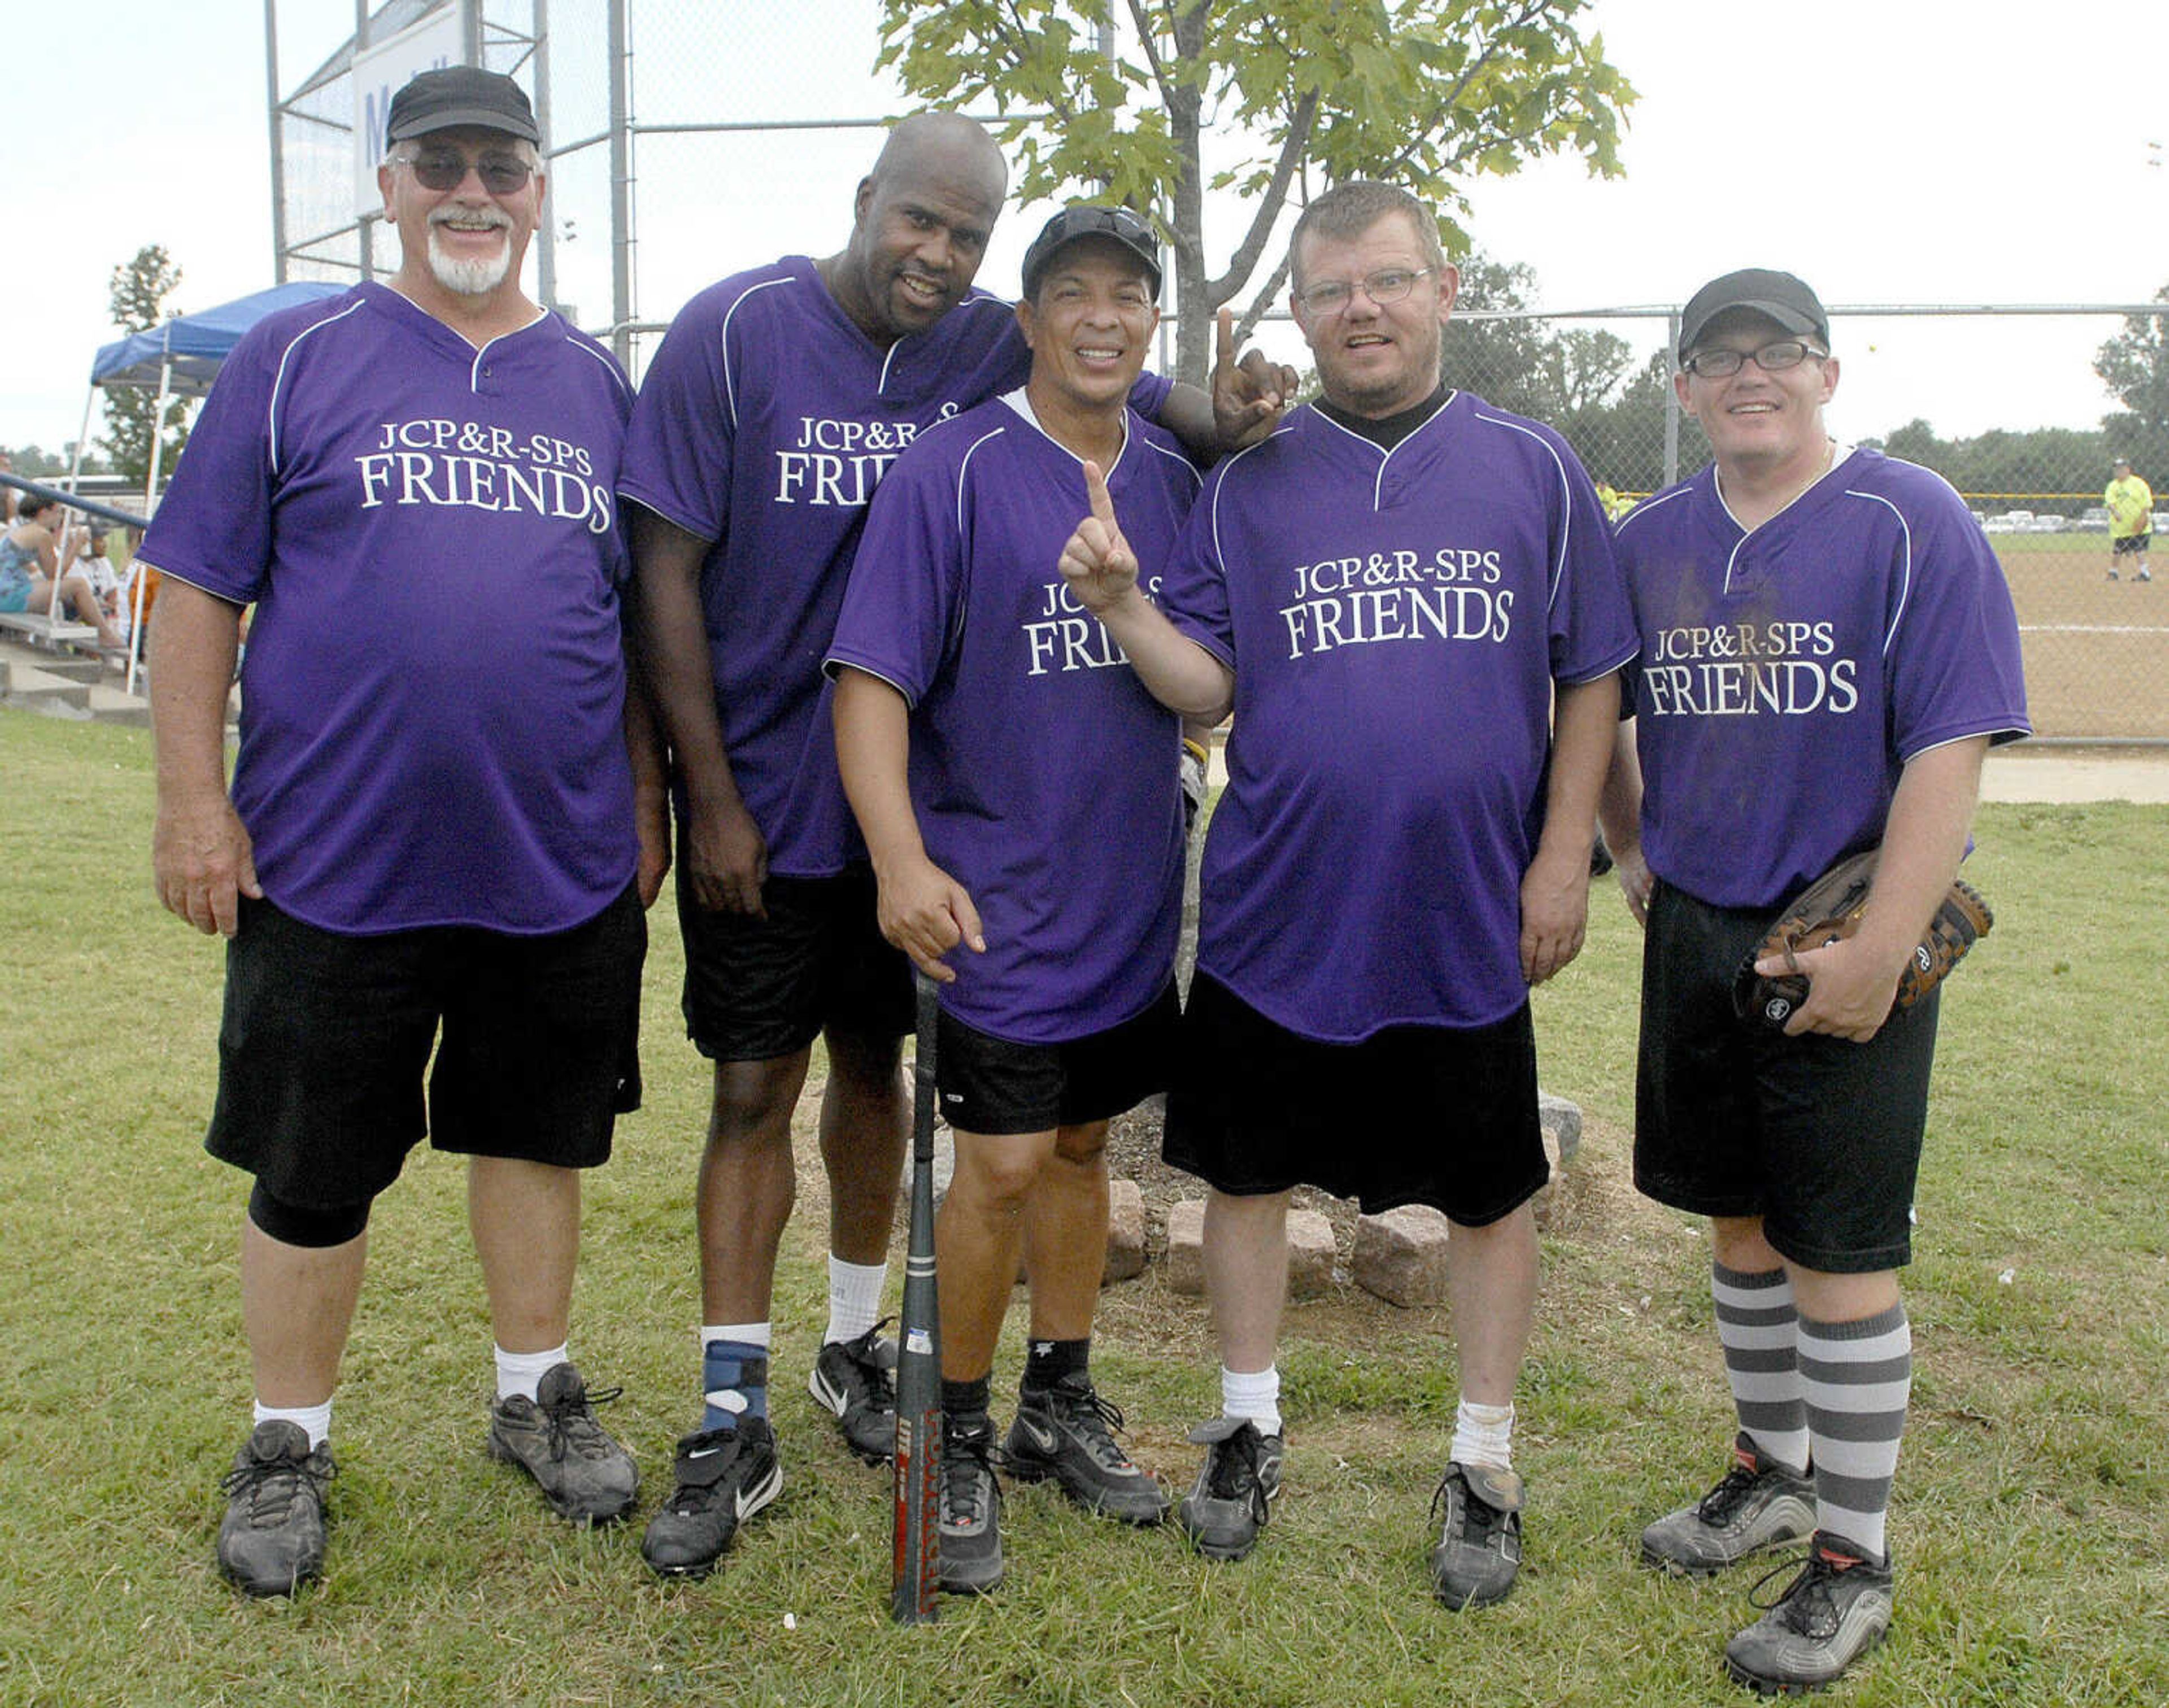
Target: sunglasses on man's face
501,174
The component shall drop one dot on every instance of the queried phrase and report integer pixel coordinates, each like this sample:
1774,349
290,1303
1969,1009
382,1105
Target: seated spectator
29,570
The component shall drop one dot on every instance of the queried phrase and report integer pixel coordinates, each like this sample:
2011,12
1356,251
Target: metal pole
620,162
278,158
546,248
1672,405
471,31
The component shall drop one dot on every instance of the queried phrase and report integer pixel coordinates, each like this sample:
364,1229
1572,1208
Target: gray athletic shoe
554,1437
1479,1545
1067,1432
971,1506
271,1541
724,1477
1232,1499
857,1379
1755,1506
1836,1607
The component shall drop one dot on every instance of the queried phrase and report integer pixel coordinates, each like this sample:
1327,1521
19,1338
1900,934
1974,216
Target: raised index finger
1225,354
1096,489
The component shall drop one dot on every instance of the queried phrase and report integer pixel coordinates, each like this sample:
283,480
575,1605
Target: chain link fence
690,138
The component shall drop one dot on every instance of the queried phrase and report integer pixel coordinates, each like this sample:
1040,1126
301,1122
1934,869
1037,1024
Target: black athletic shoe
1835,1609
724,1477
271,1541
971,1506
1755,1506
1067,1432
857,1379
1479,1545
1232,1497
554,1437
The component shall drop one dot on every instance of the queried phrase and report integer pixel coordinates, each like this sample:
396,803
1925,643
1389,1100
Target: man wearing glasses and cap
1828,651
1017,788
430,844
1411,599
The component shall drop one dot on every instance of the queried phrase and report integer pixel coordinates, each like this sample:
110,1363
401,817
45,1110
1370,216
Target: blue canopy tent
180,358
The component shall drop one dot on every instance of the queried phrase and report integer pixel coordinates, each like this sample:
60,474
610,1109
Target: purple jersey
763,425
432,698
1043,774
1395,622
1866,622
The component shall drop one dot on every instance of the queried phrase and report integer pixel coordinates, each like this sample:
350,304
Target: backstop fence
652,195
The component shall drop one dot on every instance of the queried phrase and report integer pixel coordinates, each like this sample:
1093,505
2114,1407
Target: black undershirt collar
1390,430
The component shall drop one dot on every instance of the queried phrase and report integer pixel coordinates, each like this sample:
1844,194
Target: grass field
2097,650
2030,1529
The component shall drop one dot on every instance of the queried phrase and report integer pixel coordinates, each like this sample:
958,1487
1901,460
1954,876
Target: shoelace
1478,1521
573,1424
1096,1419
273,1486
1808,1606
881,1385
1231,1471
1717,1506
965,1456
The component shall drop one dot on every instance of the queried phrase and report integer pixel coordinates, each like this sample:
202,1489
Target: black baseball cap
1778,296
1072,224
456,95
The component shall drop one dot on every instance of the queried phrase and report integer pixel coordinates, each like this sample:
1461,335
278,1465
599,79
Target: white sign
380,70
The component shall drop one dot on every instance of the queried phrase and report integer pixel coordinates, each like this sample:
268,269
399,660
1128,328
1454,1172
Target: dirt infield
2097,650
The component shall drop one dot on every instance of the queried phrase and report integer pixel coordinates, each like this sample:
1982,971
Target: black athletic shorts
1819,1136
1411,1115
2132,545
991,1086
757,990
325,1047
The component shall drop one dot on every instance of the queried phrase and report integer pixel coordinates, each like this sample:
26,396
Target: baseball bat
915,1588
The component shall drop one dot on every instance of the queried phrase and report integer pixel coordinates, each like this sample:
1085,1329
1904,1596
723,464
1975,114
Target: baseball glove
1829,911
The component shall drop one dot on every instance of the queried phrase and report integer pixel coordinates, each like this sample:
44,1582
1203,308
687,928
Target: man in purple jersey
1017,789
771,410
1828,651
1394,588
430,840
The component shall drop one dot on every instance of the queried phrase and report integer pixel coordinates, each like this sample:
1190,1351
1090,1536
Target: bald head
920,226
947,147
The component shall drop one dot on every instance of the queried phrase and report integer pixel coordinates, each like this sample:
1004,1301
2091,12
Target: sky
1948,151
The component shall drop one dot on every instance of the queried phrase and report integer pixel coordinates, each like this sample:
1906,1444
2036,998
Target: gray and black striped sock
1859,1376
1759,1329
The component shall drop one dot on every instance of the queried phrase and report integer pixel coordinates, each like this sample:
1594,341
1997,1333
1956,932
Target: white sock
316,1419
854,1297
1252,1394
746,1333
1483,1436
520,1372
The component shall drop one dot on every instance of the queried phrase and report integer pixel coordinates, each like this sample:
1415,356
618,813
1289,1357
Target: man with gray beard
433,845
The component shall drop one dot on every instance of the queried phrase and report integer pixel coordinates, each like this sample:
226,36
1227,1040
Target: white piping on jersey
1219,554
964,468
723,342
482,350
609,366
1906,574
279,379
1558,575
881,387
1378,484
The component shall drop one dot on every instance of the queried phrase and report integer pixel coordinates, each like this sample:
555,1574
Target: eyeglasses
501,174
1722,364
1387,284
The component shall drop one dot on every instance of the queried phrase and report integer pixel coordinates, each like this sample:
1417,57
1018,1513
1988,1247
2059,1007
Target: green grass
2032,1525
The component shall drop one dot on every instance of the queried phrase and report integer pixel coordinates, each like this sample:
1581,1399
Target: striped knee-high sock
1759,1329
1859,1376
